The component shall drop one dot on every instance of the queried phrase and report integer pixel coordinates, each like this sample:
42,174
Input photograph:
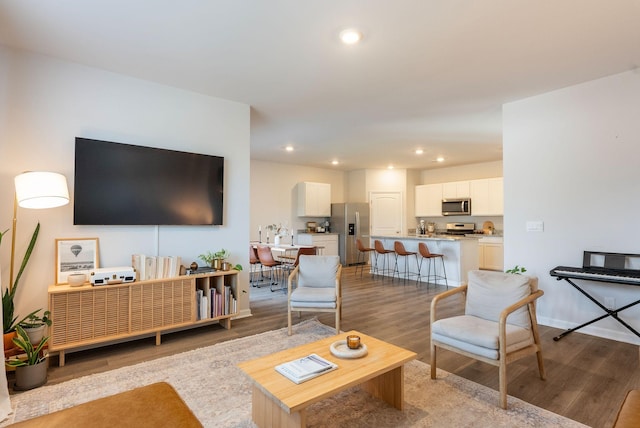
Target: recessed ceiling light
440,159
350,36
390,167
334,162
419,151
289,148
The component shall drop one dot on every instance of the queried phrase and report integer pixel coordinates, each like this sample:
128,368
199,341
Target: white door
386,213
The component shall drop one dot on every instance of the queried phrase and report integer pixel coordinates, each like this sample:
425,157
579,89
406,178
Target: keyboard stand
609,312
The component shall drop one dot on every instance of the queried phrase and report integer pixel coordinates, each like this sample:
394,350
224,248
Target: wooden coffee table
279,402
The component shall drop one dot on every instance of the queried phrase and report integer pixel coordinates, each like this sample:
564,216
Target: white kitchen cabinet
314,199
455,189
491,254
487,196
428,200
328,242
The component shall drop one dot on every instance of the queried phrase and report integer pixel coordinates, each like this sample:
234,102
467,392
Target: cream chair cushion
477,330
490,292
316,282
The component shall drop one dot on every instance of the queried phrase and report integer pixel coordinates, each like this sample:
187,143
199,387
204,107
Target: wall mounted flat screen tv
123,184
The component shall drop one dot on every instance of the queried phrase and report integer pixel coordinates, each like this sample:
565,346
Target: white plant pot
35,334
276,239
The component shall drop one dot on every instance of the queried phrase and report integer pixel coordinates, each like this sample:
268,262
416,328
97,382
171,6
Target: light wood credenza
90,316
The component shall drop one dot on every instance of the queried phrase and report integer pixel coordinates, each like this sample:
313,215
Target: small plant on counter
517,270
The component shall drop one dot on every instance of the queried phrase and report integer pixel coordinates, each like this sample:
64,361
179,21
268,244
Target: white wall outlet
535,226
609,302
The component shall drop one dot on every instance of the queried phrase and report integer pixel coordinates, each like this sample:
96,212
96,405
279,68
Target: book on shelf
200,270
155,267
305,368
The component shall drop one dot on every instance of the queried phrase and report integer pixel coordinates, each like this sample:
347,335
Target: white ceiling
429,74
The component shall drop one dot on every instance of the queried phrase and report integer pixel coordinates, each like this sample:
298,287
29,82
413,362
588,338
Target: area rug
220,394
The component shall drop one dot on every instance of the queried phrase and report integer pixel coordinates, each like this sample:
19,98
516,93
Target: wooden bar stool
402,252
363,253
426,254
384,253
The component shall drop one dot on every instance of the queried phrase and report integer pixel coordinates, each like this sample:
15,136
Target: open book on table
305,368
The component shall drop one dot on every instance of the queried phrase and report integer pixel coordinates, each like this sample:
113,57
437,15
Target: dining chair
498,326
254,263
266,260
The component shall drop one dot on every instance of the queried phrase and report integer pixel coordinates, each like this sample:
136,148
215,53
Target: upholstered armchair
498,326
318,286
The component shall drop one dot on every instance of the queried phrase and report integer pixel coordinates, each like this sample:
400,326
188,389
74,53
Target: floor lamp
36,190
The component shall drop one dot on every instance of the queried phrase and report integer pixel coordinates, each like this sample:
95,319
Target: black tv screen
123,184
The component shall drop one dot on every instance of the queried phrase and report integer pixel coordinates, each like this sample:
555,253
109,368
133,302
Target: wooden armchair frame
504,357
293,277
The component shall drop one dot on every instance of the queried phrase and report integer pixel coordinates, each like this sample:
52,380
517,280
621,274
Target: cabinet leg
61,358
158,340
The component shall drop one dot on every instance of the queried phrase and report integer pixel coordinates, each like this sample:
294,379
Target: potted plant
34,325
9,321
218,259
31,368
215,259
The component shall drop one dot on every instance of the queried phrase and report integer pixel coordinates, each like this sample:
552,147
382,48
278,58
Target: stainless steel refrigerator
350,221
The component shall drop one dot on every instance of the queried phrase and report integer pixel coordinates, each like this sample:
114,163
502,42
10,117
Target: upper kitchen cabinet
429,200
455,189
314,199
487,196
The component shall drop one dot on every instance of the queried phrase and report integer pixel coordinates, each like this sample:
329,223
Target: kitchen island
460,255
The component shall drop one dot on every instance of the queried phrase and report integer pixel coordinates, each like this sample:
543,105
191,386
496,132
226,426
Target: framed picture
75,255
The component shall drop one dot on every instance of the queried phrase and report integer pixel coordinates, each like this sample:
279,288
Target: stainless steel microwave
459,206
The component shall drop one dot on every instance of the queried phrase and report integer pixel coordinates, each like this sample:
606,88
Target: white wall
463,172
274,195
46,103
571,160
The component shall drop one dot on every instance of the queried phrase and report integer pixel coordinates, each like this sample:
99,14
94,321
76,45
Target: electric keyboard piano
617,268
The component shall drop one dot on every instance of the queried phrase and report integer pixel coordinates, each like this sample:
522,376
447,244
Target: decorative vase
29,377
35,334
276,239
76,279
217,264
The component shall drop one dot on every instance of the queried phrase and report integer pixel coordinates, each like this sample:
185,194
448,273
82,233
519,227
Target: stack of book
213,304
305,368
156,267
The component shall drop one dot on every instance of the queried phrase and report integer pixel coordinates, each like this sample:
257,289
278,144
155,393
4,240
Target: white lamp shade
39,189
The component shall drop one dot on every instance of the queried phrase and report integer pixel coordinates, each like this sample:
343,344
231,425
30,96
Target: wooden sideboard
93,315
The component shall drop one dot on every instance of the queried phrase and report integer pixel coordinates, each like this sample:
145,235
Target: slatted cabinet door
89,315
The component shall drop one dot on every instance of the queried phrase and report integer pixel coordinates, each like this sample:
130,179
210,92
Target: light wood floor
587,377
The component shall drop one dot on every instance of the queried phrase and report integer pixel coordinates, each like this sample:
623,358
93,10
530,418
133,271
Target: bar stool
426,254
364,252
384,253
402,252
